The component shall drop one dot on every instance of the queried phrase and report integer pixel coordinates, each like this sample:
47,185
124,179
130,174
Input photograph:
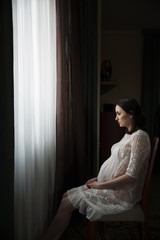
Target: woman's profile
118,186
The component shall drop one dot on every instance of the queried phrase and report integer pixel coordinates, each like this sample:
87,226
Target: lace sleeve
140,150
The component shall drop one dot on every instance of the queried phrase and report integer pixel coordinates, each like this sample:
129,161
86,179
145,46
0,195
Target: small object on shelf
106,70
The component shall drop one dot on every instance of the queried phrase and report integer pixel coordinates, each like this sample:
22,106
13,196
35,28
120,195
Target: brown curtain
76,94
70,167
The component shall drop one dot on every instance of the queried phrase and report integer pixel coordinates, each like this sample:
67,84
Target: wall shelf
105,86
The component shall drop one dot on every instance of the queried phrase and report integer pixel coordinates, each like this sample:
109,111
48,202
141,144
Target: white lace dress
129,156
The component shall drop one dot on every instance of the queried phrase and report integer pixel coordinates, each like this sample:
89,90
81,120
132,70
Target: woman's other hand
91,181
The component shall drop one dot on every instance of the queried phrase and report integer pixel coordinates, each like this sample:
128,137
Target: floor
77,227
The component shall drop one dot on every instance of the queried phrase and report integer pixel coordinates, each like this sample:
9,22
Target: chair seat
135,214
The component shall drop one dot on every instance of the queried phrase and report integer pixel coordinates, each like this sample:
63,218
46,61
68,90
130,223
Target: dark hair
131,106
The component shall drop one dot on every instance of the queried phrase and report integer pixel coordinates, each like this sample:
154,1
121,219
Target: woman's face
124,119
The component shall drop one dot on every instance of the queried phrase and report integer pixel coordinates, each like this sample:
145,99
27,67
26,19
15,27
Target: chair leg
91,230
147,227
140,228
132,231
101,230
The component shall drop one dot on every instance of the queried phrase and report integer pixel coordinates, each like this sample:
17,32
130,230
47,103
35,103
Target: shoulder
140,133
140,136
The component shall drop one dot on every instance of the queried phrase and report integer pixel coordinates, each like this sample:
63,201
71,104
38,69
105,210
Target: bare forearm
117,182
114,183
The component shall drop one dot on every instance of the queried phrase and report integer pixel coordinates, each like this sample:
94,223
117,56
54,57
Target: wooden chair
139,213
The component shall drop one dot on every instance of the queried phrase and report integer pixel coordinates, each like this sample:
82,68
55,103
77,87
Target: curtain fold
6,123
76,95
34,27
70,123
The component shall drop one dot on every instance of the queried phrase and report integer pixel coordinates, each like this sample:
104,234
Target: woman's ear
131,114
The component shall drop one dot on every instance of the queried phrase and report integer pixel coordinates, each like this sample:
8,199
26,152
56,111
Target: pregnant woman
118,186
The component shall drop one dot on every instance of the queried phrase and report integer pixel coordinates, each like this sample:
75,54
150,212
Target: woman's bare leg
60,221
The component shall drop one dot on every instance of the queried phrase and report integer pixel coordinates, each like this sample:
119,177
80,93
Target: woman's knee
66,205
65,195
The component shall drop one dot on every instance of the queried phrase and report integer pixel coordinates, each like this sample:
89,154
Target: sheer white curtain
34,34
